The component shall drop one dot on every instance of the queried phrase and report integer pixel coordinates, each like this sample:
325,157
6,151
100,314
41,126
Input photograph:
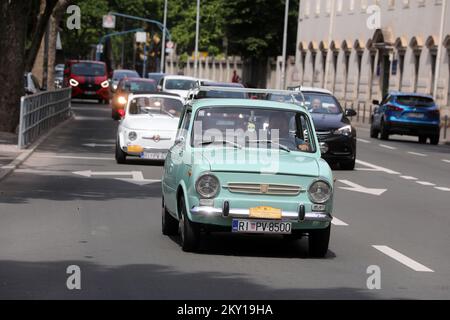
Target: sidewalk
8,149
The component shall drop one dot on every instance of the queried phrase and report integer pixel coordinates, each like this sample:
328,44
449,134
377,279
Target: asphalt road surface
71,204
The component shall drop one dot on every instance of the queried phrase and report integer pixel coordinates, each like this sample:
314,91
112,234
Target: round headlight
105,84
121,100
132,135
207,186
319,192
73,82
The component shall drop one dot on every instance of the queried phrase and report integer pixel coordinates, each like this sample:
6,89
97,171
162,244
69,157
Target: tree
13,26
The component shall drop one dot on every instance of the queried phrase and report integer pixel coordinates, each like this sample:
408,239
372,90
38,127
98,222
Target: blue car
406,114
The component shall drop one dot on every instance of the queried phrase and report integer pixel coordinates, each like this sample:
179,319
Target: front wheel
189,232
422,139
121,157
348,165
318,242
384,133
373,132
434,140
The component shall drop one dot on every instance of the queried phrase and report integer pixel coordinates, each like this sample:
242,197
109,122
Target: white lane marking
137,176
81,118
363,140
445,160
93,145
387,147
403,259
75,157
338,222
408,178
8,167
43,172
425,183
377,168
442,188
417,154
365,169
358,188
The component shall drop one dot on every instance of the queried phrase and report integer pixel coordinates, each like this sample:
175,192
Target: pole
440,47
145,61
283,62
197,27
330,37
163,44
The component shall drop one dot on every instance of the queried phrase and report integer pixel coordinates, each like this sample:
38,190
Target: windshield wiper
280,146
236,145
168,113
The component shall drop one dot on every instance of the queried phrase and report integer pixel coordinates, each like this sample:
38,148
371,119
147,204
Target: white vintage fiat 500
149,126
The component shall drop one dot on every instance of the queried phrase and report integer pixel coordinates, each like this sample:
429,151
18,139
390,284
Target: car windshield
415,101
322,103
179,84
140,86
155,105
252,127
88,69
119,75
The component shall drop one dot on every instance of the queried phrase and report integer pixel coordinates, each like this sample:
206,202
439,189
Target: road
71,204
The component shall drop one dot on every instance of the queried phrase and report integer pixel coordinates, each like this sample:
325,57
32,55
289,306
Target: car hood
146,122
325,122
259,161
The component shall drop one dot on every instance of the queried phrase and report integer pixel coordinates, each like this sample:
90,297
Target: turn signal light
121,113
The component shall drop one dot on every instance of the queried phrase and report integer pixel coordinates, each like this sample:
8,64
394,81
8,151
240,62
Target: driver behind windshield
281,122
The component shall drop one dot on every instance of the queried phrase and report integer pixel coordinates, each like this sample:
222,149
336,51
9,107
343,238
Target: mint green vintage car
247,166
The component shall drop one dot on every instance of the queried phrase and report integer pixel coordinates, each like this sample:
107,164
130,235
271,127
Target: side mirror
350,112
179,140
376,102
159,87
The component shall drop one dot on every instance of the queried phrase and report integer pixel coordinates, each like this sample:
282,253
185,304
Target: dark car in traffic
120,74
126,87
88,79
337,137
218,93
410,114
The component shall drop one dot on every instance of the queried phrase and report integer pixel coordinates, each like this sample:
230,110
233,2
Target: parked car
126,87
88,79
410,114
206,187
31,84
122,74
177,84
336,135
149,127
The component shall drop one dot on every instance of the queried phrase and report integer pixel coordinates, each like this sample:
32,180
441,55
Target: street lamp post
330,38
197,27
283,62
163,44
440,45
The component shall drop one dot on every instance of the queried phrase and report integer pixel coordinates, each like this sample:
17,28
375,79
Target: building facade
368,48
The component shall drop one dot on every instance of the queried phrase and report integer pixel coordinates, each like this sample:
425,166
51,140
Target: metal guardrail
40,112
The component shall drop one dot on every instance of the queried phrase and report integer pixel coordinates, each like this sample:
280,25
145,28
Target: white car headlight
346,130
132,135
105,84
207,186
319,192
73,82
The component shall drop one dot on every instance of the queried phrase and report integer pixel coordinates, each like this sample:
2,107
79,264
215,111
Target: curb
24,155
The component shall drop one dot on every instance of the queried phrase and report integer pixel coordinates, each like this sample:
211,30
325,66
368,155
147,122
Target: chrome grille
322,135
261,188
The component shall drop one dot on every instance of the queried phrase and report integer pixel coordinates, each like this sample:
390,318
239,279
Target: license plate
154,156
135,149
90,93
265,213
262,226
416,115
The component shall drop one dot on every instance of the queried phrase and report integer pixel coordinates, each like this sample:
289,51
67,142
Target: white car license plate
90,93
262,226
154,156
416,115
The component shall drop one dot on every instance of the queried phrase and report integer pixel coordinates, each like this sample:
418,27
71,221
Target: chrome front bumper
245,214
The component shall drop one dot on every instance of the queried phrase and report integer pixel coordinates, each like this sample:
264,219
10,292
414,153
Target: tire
169,223
121,157
115,115
384,133
318,242
373,132
422,139
189,232
348,165
434,140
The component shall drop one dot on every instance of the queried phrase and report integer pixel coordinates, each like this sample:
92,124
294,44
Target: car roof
239,103
314,90
156,94
209,83
139,79
413,94
86,61
179,77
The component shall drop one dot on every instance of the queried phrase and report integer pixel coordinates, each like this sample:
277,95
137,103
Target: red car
88,79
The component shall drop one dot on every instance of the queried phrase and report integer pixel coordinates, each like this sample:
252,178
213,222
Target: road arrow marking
377,168
358,188
410,263
94,145
136,176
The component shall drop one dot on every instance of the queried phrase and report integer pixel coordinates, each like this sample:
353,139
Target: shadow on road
47,280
